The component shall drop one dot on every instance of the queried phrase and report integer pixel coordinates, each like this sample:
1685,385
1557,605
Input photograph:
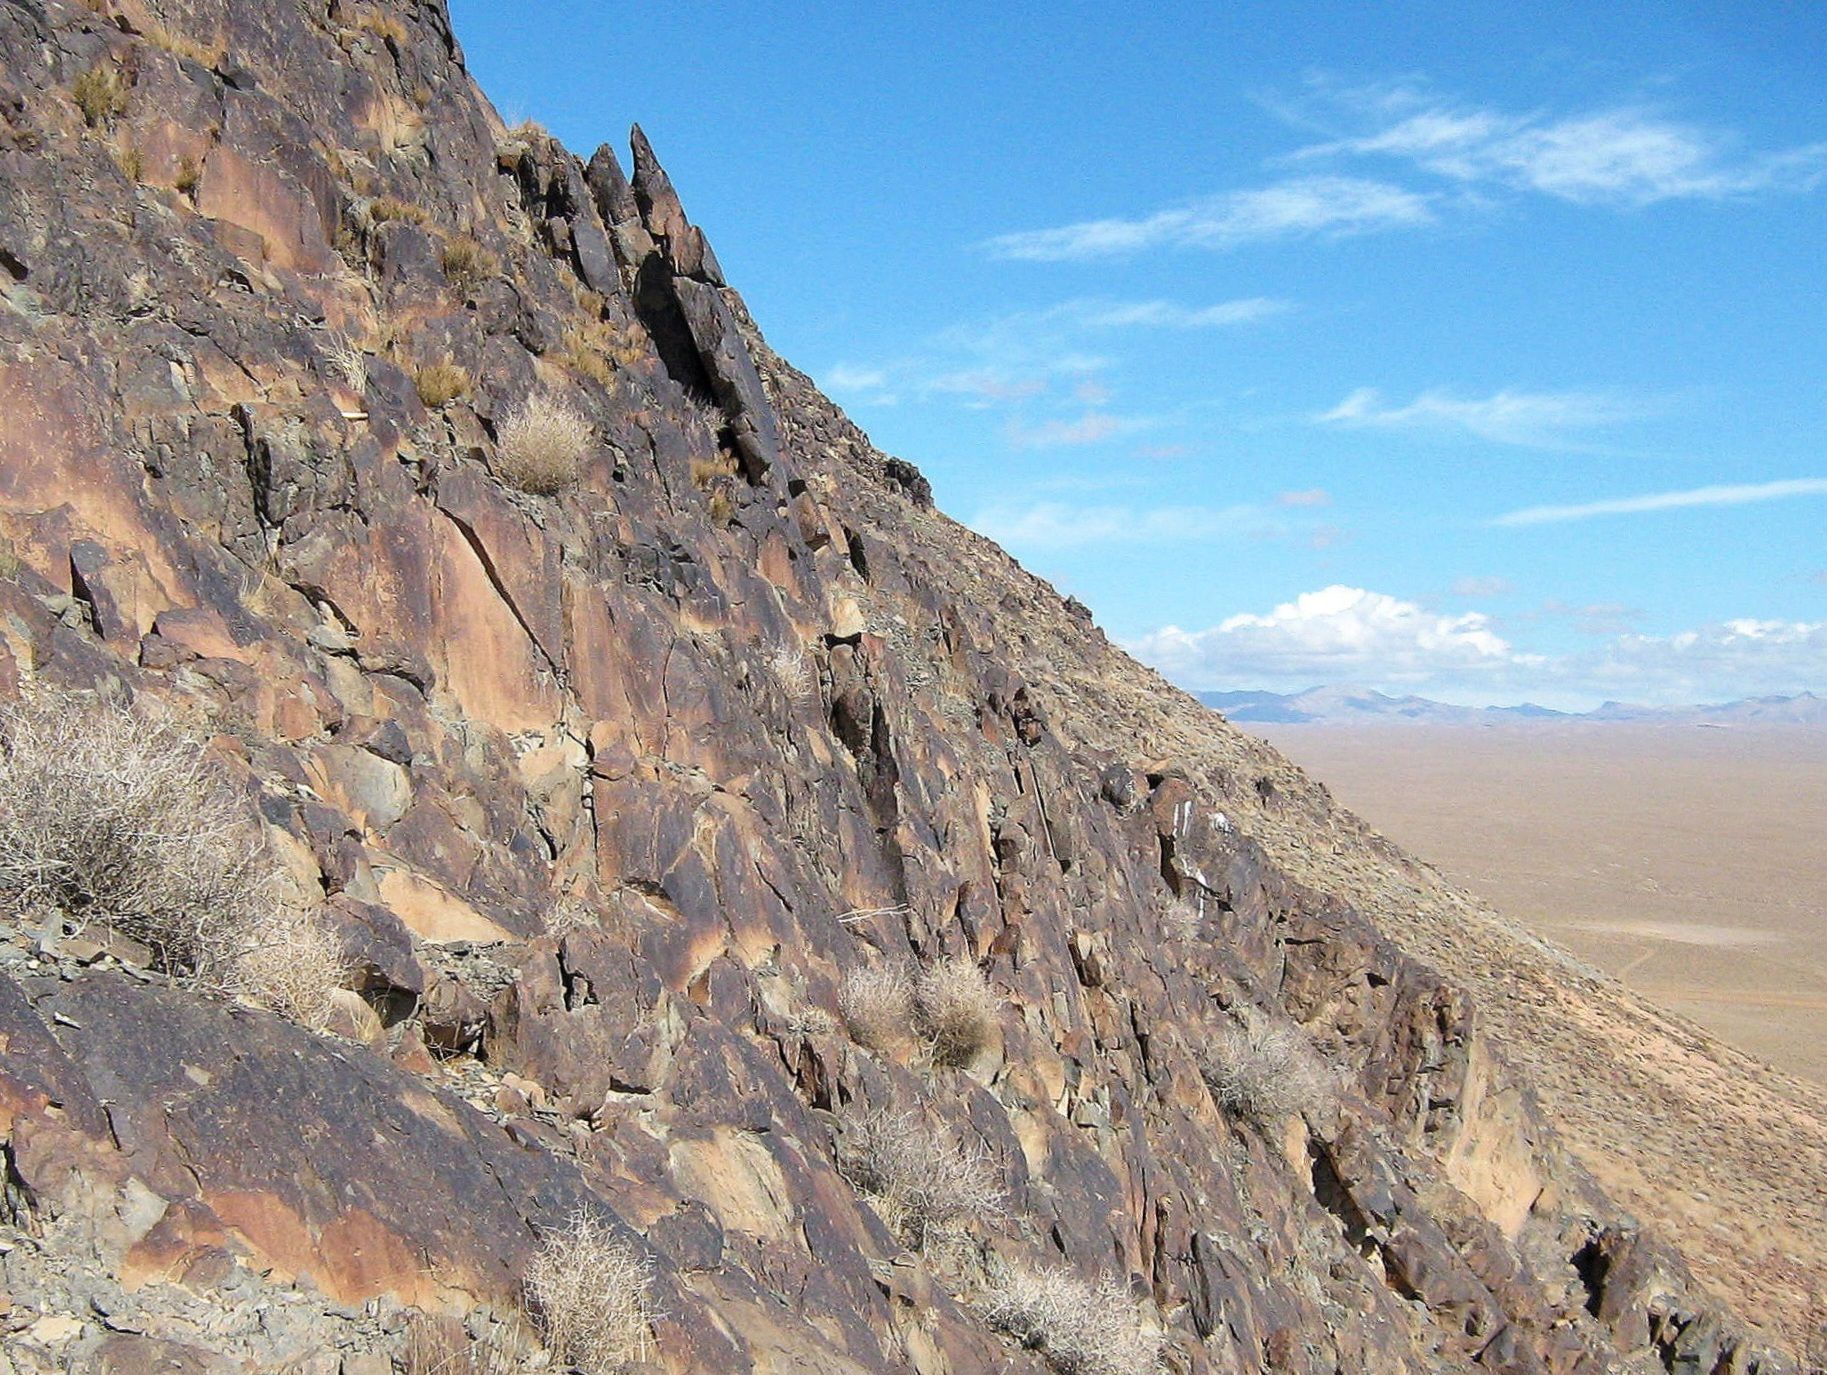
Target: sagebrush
921,1178
1266,1068
956,1010
877,1006
588,1293
1079,1326
542,444
119,815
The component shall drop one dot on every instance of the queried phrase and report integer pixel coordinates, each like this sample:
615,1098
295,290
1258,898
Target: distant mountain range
1362,706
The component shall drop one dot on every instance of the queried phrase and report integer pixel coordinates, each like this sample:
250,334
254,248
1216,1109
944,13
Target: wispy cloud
1299,207
1624,154
1312,496
1050,526
1533,419
1481,586
1738,494
1094,427
1014,357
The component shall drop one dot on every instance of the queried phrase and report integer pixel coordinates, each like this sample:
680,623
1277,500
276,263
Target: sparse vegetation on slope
542,445
1081,1327
921,1178
588,1292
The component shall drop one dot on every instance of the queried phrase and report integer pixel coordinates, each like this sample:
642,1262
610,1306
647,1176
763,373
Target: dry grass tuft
347,361
387,208
101,94
1078,1327
920,1178
292,962
542,445
440,384
599,349
467,263
793,669
956,1010
121,817
208,55
438,1344
1266,1069
877,1006
587,1291
383,26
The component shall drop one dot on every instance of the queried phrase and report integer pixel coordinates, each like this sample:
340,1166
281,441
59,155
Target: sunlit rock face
610,793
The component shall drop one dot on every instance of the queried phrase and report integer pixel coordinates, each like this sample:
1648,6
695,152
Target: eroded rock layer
608,793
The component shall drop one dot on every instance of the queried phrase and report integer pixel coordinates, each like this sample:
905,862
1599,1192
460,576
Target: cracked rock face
609,795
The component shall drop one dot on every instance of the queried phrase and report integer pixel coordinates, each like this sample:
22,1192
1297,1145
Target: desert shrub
291,962
587,1292
1266,1069
440,384
347,361
877,1006
793,669
119,816
921,1178
467,263
955,1010
387,208
1079,1327
542,445
439,1344
208,55
101,94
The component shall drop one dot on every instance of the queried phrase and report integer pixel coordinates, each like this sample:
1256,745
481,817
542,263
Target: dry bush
793,669
207,55
120,816
347,361
955,1009
921,1179
440,384
101,94
467,263
877,1006
542,445
292,962
382,26
1079,1327
392,208
1266,1069
587,1291
438,1344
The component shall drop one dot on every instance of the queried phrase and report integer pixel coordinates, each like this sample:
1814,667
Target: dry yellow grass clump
920,1177
587,1291
1080,1327
542,445
956,1010
440,384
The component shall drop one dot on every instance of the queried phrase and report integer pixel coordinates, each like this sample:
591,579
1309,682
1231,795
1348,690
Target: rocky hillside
738,871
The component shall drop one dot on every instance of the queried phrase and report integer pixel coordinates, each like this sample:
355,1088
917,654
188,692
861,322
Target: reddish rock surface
740,697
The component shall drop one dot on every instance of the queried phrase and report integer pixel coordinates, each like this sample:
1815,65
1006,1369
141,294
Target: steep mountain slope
619,780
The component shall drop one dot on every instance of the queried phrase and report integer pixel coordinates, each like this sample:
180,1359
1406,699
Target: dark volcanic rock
610,791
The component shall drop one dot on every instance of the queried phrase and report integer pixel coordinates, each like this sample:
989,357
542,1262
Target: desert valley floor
1688,861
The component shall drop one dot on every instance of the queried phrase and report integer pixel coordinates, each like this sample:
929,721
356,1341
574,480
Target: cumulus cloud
1530,419
1353,635
1626,154
1734,494
1337,634
1299,207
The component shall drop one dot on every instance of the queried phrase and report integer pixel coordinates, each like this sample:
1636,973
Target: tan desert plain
1688,861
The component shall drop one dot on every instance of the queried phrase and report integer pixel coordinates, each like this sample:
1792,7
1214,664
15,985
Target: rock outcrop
611,793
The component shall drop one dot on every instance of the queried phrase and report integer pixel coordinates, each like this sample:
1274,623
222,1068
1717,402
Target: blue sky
1476,351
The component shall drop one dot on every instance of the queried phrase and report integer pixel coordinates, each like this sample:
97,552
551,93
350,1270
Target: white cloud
1481,586
847,379
1342,635
1312,496
1091,428
1329,206
1338,634
1534,419
1053,525
1737,494
1623,155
